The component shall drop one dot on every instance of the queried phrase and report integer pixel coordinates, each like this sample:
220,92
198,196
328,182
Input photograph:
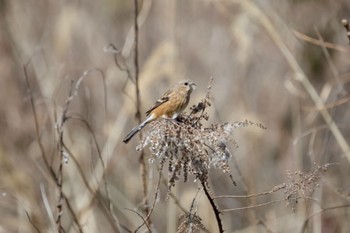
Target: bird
170,105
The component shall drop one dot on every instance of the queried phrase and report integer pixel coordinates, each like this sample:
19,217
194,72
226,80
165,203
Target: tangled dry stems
188,146
191,148
190,223
301,184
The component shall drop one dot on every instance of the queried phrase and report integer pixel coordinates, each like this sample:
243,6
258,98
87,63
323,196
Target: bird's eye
186,83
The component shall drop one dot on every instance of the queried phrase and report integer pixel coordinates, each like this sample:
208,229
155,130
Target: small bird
170,105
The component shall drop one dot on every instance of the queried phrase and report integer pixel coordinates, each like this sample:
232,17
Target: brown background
242,45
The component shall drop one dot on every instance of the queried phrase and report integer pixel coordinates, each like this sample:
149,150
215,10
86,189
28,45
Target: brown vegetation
77,75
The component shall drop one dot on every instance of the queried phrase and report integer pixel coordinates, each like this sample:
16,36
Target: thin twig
142,158
143,220
321,211
172,195
47,205
193,201
136,61
155,196
253,206
119,61
73,91
268,203
315,129
31,222
331,64
71,211
334,104
300,76
267,228
95,193
36,122
104,178
213,206
314,41
275,189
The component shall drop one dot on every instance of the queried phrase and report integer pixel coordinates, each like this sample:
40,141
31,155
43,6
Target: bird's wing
161,101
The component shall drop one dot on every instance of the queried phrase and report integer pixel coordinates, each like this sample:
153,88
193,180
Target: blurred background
259,52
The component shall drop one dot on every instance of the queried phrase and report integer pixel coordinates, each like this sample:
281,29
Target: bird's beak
193,86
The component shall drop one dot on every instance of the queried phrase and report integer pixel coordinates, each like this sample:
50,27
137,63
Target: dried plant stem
275,189
143,220
331,64
266,227
106,210
60,197
47,206
60,123
136,62
154,201
36,123
265,203
173,196
32,223
300,76
96,193
319,212
73,214
322,43
214,207
142,159
253,206
60,148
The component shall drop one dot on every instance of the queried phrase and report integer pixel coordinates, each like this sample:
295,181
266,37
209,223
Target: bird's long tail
137,129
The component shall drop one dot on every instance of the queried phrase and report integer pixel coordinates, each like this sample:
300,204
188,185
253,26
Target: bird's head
189,85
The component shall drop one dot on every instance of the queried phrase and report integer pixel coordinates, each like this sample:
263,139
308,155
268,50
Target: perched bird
172,103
